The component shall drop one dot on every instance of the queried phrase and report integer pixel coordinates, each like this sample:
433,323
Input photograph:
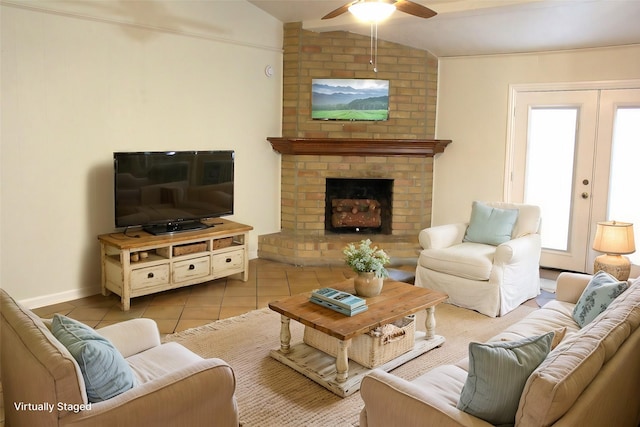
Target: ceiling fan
405,6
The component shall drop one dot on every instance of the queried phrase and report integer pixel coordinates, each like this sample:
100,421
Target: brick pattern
413,76
412,109
327,250
303,240
303,189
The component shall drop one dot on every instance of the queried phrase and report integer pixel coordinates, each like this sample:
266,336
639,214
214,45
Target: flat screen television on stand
172,191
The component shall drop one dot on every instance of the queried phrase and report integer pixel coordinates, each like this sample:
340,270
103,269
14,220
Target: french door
615,197
564,153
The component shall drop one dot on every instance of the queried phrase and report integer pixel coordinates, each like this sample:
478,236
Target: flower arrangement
364,258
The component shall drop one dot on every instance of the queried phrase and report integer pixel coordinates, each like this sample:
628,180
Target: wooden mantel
359,146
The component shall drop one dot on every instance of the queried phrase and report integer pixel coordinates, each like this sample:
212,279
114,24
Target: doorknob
585,195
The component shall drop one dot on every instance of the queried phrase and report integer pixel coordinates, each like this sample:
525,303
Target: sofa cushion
558,336
162,360
469,260
106,373
498,372
489,225
442,385
554,315
563,376
596,297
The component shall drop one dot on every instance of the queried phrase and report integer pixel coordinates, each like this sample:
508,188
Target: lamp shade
372,11
614,238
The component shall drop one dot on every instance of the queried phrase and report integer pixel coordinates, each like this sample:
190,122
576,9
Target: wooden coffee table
339,374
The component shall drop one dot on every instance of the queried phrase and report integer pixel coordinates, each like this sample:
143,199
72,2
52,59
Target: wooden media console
138,263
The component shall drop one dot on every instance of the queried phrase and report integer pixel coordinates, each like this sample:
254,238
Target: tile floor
192,306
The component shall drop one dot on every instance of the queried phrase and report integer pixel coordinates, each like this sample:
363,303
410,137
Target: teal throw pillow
601,290
106,373
498,372
491,226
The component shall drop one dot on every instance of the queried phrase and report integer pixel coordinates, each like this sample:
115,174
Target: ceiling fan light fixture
372,11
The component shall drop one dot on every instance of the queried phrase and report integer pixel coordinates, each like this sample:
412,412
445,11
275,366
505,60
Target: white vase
367,284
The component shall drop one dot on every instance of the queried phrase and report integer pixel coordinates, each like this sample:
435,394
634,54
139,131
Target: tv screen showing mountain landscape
349,99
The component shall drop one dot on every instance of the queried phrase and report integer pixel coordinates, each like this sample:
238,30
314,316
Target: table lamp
614,239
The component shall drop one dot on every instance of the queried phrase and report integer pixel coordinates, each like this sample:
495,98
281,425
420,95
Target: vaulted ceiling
481,27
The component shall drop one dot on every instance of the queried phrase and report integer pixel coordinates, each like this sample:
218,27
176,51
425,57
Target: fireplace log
355,213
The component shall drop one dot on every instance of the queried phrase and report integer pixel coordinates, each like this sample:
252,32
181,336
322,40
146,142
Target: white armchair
492,279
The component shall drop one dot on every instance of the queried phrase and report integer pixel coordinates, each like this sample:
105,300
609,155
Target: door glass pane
549,171
624,205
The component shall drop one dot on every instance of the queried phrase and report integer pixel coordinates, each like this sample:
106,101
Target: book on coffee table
339,298
338,308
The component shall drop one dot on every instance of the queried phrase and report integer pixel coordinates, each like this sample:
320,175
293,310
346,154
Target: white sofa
491,279
174,386
592,378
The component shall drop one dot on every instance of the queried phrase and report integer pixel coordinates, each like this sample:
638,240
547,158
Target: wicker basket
191,248
222,243
367,350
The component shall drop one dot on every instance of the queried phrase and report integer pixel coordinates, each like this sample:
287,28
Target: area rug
545,297
271,394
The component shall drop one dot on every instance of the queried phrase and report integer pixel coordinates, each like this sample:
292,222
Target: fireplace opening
358,205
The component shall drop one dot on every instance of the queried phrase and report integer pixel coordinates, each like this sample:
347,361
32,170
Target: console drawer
149,276
229,261
191,269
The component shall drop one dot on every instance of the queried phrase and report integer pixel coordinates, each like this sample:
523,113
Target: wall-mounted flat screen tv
172,191
350,99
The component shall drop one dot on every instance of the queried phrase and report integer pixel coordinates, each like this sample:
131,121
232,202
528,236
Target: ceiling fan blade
339,11
414,9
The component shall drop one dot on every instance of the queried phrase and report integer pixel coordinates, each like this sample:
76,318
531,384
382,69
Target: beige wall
472,111
82,80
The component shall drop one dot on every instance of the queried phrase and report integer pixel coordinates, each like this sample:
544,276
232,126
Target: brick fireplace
397,149
306,165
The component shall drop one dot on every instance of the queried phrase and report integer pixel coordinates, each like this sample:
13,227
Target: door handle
585,195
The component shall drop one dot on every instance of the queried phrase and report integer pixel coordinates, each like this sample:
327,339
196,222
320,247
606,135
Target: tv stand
175,227
147,264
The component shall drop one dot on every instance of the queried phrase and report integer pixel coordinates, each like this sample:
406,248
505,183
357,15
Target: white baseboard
65,296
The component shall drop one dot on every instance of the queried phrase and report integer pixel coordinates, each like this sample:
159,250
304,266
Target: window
549,170
624,181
